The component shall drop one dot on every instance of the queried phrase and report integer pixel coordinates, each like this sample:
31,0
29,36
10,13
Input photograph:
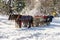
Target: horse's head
13,17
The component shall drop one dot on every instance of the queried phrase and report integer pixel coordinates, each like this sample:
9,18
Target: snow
9,32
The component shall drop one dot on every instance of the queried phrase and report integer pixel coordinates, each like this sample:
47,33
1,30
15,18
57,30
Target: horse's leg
16,25
29,24
32,24
20,23
9,17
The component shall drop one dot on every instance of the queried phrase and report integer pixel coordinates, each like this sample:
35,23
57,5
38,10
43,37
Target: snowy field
9,32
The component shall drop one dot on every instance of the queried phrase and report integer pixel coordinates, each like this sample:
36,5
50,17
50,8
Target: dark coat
49,19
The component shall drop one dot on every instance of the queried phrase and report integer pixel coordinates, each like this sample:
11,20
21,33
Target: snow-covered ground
9,32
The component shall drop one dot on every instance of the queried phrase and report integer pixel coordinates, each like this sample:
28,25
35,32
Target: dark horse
19,19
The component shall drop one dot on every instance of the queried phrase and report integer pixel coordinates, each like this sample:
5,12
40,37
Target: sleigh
42,20
29,21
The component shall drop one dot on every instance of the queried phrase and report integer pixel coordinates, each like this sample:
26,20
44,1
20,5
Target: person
49,19
45,18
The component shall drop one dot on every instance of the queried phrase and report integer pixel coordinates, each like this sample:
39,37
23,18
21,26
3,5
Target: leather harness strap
17,17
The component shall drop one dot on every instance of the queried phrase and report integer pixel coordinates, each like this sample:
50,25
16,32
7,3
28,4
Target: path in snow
5,22
8,32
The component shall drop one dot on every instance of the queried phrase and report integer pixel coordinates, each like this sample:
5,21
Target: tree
19,5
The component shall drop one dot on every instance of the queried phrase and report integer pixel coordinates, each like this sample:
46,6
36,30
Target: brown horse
19,19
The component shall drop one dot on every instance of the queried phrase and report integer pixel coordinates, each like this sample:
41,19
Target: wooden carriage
42,20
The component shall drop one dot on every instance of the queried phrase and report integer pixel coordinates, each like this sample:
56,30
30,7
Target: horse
21,18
